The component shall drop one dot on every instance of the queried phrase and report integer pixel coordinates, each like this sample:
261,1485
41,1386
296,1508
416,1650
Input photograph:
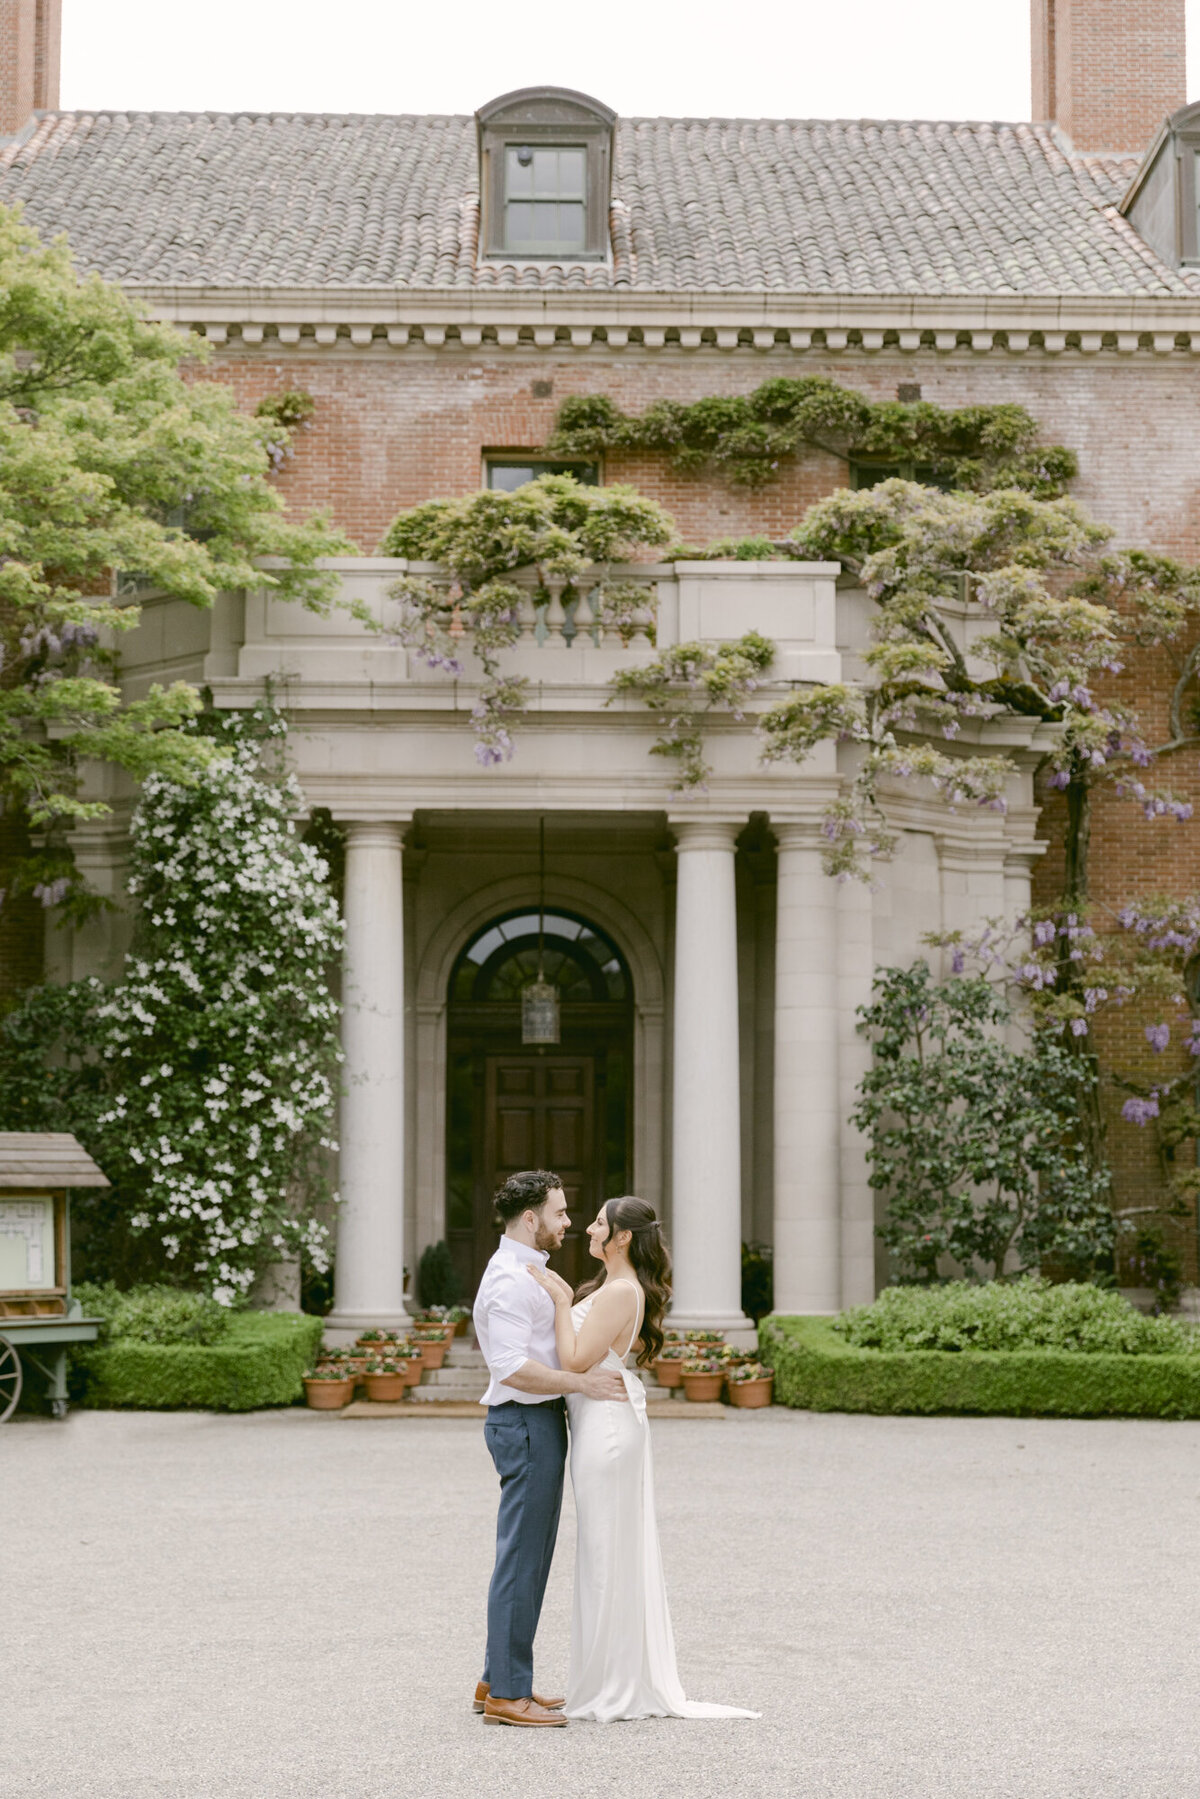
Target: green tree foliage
118,468
969,1138
569,534
983,604
748,436
203,1081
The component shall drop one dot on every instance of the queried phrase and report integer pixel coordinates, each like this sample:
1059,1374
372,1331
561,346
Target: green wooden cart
38,1318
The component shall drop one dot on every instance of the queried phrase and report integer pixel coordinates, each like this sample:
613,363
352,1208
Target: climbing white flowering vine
217,1052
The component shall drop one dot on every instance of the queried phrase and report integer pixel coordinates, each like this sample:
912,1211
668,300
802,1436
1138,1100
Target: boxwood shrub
1030,1313
257,1360
818,1370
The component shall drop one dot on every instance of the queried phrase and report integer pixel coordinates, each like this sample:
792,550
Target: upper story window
545,199
865,473
507,473
545,157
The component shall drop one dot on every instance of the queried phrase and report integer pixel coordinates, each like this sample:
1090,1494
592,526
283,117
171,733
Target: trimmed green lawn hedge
257,1362
817,1370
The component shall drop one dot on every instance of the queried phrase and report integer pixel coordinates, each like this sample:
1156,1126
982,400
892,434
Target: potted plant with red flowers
751,1384
385,1380
327,1389
703,1377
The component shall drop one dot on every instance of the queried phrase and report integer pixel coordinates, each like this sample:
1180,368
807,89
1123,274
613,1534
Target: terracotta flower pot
668,1371
752,1392
414,1368
432,1354
328,1395
703,1386
386,1386
460,1328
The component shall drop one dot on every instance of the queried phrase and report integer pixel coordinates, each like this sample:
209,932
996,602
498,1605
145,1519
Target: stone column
807,1116
706,1216
369,1284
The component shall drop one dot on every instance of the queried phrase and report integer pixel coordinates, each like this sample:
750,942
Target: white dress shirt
514,1321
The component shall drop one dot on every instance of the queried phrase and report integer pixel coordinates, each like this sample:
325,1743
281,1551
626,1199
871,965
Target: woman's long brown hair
651,1263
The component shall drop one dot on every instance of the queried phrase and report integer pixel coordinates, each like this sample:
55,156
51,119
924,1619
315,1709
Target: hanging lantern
539,1000
539,1012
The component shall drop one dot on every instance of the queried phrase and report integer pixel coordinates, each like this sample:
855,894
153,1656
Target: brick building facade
363,260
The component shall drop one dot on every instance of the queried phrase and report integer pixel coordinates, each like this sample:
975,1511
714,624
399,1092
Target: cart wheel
10,1379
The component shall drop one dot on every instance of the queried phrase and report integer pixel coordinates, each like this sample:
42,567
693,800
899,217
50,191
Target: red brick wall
1108,71
30,40
394,427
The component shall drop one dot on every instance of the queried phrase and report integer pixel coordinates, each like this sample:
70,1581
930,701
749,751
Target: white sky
949,59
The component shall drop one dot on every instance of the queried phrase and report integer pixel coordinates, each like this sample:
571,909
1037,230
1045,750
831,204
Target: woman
622,1650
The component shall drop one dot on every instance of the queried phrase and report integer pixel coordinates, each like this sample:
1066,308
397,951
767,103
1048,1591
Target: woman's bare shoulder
614,1298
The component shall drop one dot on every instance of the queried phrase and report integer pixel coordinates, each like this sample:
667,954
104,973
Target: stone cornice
383,322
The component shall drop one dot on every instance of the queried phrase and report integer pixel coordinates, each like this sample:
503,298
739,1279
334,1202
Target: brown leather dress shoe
519,1711
482,1690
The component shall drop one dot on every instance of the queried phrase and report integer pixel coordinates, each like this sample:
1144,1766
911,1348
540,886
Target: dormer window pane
545,199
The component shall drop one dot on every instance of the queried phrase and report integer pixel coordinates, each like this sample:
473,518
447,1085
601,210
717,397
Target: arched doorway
568,1107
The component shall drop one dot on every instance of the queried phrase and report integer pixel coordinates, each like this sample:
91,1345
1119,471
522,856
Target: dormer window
1163,205
545,156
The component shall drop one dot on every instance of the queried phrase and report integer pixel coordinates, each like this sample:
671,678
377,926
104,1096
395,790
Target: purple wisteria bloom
1140,1111
1158,1036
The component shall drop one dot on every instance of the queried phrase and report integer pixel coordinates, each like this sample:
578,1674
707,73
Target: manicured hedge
257,1362
818,1371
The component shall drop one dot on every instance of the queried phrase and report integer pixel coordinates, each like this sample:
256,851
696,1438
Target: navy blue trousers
528,1444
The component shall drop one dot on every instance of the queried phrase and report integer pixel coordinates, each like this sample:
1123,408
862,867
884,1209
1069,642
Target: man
526,1432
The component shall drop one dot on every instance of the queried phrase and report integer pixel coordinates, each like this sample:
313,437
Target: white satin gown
622,1647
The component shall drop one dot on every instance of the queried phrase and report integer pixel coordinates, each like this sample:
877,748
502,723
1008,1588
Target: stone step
456,1408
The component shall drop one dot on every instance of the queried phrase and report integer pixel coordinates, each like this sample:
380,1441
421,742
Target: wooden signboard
33,1254
37,1169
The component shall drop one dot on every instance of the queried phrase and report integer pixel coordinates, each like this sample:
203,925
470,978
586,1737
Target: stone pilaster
807,1098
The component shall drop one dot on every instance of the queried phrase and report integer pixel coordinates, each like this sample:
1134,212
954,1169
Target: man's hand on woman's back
602,1383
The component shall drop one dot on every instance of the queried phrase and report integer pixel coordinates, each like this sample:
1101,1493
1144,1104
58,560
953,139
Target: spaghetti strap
637,1308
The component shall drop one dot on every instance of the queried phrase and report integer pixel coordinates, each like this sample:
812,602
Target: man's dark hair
525,1192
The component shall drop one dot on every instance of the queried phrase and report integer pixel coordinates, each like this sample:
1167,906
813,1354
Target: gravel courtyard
289,1606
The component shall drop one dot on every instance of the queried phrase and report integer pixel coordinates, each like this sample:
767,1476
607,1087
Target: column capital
797,833
706,833
374,833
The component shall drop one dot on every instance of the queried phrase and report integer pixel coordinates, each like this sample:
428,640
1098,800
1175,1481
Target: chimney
1108,71
30,42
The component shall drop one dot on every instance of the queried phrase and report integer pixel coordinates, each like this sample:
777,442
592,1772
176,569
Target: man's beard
543,1238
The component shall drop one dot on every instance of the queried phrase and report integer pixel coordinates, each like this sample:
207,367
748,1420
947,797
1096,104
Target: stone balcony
336,661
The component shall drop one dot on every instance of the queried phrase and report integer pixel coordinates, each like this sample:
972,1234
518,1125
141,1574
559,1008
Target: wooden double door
540,1112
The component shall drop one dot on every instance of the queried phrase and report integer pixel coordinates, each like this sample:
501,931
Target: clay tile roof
45,1159
900,207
